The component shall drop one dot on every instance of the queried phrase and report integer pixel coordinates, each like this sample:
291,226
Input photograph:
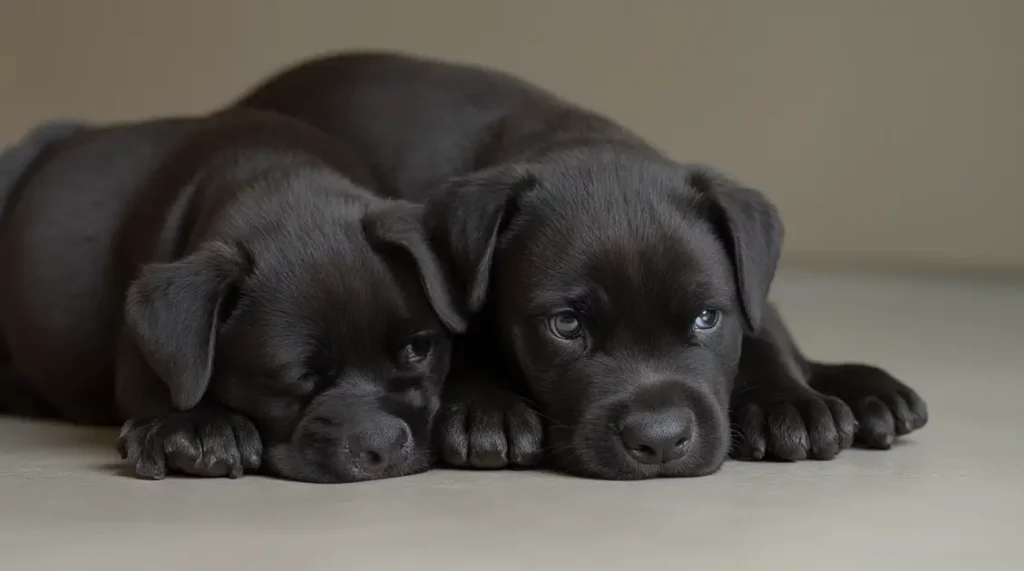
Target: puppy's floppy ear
465,219
400,224
173,311
752,230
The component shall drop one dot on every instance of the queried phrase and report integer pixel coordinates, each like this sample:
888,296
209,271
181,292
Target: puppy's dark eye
707,319
417,349
565,325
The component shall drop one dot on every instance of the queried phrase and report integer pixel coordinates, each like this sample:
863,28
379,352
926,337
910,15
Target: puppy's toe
845,422
525,435
903,418
151,463
151,466
220,451
127,444
877,425
139,443
918,408
750,425
488,445
182,447
452,435
823,436
247,439
787,434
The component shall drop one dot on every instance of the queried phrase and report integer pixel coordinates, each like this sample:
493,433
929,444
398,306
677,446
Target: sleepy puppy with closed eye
226,289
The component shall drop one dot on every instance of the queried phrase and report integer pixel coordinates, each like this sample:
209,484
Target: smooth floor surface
949,497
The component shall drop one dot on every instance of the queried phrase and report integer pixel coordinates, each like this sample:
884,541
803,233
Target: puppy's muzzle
365,446
662,423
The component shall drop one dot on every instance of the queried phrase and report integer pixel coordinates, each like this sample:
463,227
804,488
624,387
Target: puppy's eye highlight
565,325
707,319
417,349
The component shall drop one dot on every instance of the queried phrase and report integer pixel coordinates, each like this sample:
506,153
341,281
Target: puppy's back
418,121
244,168
374,97
59,257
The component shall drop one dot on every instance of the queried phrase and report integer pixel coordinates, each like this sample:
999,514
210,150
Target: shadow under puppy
225,288
621,297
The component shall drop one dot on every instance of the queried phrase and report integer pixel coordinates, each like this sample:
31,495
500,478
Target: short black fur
226,289
546,211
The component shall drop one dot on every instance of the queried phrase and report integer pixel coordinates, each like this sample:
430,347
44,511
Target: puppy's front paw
793,424
211,444
489,430
885,407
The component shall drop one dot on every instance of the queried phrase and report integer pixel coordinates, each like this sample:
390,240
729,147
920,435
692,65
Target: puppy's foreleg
885,407
788,407
208,441
774,411
485,421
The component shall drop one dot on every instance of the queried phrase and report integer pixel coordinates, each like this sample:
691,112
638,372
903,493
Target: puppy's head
329,331
621,284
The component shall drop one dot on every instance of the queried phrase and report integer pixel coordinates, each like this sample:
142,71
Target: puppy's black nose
657,437
378,445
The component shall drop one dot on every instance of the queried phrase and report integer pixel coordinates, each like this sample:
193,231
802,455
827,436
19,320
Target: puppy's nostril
372,458
647,450
657,437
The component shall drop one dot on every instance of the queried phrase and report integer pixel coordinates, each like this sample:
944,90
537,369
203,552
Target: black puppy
224,288
615,287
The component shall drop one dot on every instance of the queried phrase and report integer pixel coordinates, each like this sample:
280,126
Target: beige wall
887,131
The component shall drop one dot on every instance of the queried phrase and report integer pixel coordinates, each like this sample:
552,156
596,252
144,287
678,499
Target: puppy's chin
592,448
